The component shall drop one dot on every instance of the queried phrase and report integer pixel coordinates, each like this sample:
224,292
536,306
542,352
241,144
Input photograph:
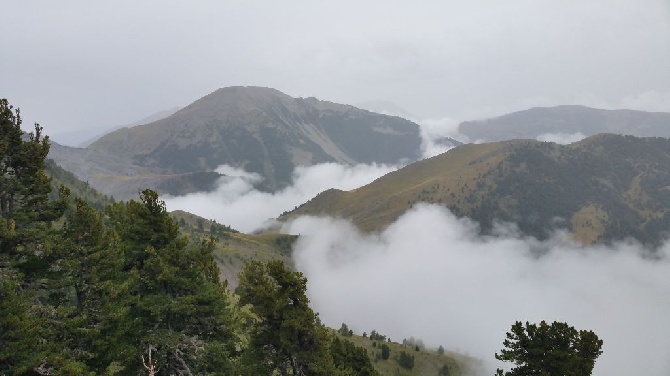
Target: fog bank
235,202
431,276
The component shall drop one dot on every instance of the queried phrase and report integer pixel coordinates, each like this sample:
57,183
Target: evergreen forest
119,290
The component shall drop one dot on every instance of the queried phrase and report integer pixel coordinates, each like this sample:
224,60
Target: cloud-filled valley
441,118
235,202
431,276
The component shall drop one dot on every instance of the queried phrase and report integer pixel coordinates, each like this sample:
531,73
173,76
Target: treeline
120,291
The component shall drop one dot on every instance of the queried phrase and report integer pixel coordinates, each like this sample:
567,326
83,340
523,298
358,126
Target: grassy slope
77,187
446,178
235,249
604,188
426,361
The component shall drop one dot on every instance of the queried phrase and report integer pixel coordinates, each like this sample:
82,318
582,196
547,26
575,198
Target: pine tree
287,338
100,297
555,349
182,310
28,245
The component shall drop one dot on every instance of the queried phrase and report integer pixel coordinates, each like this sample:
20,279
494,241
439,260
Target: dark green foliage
84,292
406,360
141,225
98,291
287,338
20,344
78,188
552,350
440,350
25,210
285,243
386,351
217,229
350,359
375,336
444,371
344,331
181,308
540,182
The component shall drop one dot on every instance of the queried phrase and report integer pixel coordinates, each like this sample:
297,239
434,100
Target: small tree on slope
549,350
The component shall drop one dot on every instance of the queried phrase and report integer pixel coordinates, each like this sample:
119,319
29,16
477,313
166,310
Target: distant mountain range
264,131
535,122
258,129
604,188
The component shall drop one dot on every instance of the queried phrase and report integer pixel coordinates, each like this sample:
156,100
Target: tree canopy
555,349
123,291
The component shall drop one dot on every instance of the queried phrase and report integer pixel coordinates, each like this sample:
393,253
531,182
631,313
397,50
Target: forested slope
122,291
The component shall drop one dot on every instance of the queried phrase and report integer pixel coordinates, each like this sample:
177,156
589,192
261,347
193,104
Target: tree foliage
555,349
350,359
406,360
385,351
287,337
85,292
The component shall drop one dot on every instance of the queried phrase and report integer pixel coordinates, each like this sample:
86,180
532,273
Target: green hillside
604,188
234,249
77,187
425,361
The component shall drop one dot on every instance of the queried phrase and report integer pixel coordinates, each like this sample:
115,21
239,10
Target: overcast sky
78,64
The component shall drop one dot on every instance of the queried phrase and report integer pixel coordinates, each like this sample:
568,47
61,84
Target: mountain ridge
602,189
265,131
567,119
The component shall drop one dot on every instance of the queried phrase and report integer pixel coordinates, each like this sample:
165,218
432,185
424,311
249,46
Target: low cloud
238,204
434,132
432,276
561,138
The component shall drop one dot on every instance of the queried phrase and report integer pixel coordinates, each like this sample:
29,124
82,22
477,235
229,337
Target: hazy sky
78,64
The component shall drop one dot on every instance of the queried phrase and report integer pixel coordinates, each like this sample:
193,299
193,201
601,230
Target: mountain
265,131
231,252
78,188
115,175
566,120
604,188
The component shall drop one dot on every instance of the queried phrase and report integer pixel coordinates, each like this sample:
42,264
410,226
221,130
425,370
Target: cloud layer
236,203
431,276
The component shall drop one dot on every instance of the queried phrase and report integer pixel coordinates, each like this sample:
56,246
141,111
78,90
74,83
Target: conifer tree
287,338
27,244
555,349
182,310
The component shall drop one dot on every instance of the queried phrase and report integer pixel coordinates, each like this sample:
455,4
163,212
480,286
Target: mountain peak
264,131
237,99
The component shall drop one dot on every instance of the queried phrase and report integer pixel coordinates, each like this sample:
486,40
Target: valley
437,225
